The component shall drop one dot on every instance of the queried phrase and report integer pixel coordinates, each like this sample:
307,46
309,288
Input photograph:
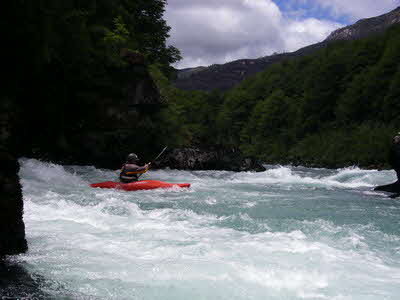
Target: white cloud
355,9
362,8
210,31
303,33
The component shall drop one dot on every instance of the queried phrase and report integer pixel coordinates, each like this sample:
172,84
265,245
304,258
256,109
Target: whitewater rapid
286,233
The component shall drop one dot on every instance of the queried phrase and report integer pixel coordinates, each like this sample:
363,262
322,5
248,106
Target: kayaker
130,171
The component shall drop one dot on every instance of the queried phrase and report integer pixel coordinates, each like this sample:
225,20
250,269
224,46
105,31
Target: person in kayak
130,171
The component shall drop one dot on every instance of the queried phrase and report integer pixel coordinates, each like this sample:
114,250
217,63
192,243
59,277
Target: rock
142,90
100,130
12,228
394,155
18,283
390,188
214,158
12,234
394,161
132,57
366,27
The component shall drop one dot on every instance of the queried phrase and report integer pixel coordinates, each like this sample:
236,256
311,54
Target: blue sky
217,31
343,11
309,9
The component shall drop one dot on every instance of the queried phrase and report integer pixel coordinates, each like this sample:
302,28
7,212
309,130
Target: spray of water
286,233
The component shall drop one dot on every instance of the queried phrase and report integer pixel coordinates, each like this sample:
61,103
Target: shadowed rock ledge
212,158
394,161
12,234
12,228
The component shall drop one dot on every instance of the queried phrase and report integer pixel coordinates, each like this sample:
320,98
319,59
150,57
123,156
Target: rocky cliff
394,161
12,234
224,76
98,130
366,27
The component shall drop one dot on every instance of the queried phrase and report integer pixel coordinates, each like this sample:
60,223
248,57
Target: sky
218,31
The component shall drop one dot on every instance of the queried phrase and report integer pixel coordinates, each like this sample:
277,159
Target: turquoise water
287,233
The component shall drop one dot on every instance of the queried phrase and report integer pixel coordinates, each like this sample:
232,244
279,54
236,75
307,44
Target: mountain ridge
365,27
224,76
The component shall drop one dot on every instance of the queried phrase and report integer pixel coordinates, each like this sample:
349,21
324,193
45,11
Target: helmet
132,157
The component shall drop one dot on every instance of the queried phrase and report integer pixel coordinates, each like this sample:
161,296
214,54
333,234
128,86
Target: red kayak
138,185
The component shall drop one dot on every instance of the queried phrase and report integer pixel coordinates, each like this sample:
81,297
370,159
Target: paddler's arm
140,170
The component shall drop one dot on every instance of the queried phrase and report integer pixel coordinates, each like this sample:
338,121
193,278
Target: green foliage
391,104
268,120
86,35
62,60
167,91
366,145
336,107
115,40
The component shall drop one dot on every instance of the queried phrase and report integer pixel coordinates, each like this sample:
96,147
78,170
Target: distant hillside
225,76
186,73
336,107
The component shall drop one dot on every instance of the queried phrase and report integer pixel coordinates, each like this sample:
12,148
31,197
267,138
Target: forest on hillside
337,107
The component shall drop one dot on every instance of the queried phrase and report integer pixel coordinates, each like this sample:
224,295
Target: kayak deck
138,185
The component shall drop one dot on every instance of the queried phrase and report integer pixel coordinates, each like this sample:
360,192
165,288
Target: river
286,233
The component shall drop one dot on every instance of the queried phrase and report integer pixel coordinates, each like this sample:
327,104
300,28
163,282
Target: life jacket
131,172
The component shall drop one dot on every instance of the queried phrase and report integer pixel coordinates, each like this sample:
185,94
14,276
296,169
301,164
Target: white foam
103,242
49,173
342,178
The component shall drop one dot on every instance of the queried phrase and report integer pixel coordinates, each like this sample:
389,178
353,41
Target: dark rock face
394,161
17,283
143,90
394,155
98,132
208,159
12,228
225,76
12,234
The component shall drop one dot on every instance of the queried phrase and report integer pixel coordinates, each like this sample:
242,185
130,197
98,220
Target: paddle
158,156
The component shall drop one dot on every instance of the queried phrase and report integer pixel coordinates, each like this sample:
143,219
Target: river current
286,233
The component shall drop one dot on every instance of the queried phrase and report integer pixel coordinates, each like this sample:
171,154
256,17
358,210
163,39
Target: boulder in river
394,161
